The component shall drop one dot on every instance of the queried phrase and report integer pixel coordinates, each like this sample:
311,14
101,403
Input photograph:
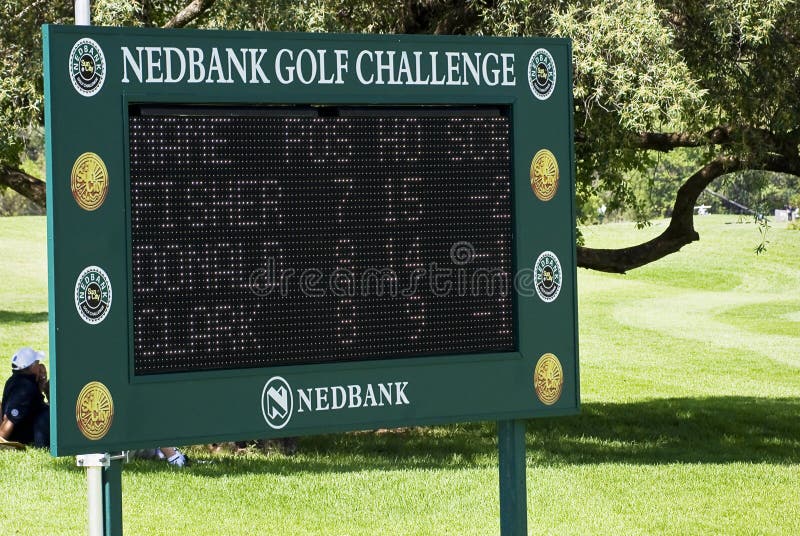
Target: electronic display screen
281,236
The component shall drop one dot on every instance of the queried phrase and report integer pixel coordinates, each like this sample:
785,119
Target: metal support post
104,479
94,464
83,13
112,495
513,491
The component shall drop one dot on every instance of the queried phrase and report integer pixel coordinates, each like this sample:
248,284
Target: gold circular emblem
544,175
89,181
548,379
94,410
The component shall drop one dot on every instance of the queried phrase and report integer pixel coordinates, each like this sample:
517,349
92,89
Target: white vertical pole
94,464
95,499
83,13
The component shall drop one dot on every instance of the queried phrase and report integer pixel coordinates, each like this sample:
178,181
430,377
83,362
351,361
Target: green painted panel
92,78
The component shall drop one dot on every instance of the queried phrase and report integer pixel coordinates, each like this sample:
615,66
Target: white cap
25,357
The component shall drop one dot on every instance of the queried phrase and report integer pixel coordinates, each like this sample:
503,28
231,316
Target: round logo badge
544,175
89,181
93,295
87,67
547,276
277,402
94,410
542,74
548,379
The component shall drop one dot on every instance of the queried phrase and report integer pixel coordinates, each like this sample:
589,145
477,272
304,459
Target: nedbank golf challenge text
193,65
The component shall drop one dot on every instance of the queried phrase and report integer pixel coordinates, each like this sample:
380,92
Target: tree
661,75
651,76
21,86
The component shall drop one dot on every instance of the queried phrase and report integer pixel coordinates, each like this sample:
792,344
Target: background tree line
671,96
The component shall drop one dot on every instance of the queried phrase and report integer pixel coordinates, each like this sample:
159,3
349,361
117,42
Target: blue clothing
24,405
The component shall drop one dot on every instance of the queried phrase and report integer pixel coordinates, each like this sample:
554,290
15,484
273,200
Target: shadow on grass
682,430
22,317
676,430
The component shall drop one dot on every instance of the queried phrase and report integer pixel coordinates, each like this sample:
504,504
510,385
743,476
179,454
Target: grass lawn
690,381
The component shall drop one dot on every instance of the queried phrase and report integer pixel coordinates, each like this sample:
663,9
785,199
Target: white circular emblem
277,402
15,413
87,67
548,276
542,74
93,294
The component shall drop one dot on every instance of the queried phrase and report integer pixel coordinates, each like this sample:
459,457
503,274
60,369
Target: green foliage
625,66
628,77
746,54
21,86
763,230
371,16
116,13
760,190
663,181
654,189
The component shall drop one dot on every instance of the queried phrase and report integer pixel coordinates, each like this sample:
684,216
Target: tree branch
440,17
679,233
189,13
33,5
667,141
458,19
720,135
24,184
145,14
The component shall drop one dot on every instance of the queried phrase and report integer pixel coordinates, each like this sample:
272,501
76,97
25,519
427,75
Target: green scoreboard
255,235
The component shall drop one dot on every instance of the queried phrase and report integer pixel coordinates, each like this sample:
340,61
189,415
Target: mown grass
690,379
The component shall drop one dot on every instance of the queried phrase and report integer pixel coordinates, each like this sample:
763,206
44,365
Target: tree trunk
24,184
189,13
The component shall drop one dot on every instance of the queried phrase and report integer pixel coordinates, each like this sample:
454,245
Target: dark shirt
23,404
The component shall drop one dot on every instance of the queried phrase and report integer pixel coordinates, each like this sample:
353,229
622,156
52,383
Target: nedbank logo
278,399
542,74
277,402
87,67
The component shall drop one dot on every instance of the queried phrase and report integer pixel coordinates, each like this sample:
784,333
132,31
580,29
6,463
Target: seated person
172,454
25,414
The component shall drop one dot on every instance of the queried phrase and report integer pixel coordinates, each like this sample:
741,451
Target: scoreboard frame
92,78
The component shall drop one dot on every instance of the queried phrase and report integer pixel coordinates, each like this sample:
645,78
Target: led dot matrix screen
274,236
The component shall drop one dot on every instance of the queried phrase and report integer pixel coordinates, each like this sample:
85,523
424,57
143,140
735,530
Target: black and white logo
87,67
277,402
548,276
542,74
15,412
93,294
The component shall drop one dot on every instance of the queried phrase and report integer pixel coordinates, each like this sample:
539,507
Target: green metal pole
513,491
112,497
